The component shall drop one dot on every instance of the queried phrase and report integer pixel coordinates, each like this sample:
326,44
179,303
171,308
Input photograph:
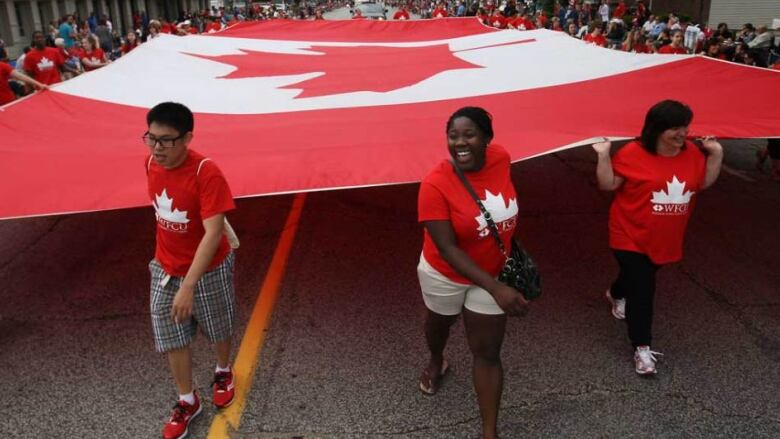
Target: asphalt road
345,344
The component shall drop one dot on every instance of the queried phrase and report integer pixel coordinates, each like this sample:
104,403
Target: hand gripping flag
286,106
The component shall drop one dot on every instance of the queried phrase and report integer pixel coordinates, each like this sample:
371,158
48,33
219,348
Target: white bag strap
200,165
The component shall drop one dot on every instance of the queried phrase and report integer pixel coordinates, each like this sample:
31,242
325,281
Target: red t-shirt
97,55
183,198
439,13
443,197
44,65
669,49
599,40
651,209
213,27
76,51
6,94
126,48
522,24
642,48
401,15
358,17
620,11
498,21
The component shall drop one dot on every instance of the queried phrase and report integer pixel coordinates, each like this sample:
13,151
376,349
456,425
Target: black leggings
636,284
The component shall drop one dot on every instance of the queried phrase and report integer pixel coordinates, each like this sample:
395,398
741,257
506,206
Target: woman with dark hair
723,32
655,179
460,259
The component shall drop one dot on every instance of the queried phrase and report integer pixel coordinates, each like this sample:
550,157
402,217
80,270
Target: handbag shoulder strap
485,213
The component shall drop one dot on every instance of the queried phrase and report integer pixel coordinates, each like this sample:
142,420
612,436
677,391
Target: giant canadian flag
288,106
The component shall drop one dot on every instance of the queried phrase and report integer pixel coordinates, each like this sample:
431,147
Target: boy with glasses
192,269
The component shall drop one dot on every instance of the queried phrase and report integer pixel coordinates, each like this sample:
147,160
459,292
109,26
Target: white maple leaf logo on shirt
498,208
45,64
675,193
163,205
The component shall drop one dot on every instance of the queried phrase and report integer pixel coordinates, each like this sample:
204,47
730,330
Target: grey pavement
345,345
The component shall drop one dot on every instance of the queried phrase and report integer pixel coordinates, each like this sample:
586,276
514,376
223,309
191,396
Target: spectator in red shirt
131,42
460,260
595,37
641,45
655,180
540,15
43,63
358,14
212,26
440,11
93,57
186,28
192,269
676,46
401,14
497,20
166,27
521,22
620,10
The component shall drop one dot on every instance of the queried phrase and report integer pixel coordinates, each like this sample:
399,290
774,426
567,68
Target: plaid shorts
213,307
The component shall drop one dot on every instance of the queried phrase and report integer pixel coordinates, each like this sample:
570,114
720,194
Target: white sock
188,398
219,369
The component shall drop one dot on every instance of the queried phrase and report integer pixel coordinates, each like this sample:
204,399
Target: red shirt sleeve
431,204
215,195
619,164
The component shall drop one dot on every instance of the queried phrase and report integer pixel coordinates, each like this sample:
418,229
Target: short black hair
481,118
172,114
661,117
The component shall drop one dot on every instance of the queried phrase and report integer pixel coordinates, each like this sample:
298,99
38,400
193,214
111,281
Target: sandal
430,385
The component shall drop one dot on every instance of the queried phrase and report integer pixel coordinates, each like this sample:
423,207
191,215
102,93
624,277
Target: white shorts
445,297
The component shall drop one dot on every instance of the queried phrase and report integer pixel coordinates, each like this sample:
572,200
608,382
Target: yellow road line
249,352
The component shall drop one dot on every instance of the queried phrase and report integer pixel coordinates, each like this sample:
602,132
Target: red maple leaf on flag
347,69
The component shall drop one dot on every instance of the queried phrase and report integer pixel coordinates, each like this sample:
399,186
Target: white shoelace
647,356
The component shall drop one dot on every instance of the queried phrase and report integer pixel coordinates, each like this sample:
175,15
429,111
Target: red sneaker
224,390
177,426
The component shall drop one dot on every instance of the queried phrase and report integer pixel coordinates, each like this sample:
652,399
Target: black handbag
519,271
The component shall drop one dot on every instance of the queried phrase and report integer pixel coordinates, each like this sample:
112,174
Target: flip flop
430,385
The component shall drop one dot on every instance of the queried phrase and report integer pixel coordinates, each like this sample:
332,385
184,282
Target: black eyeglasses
152,141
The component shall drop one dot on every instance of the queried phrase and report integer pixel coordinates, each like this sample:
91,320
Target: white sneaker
645,360
618,306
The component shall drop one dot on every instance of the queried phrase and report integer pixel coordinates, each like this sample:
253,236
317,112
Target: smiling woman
460,260
654,179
